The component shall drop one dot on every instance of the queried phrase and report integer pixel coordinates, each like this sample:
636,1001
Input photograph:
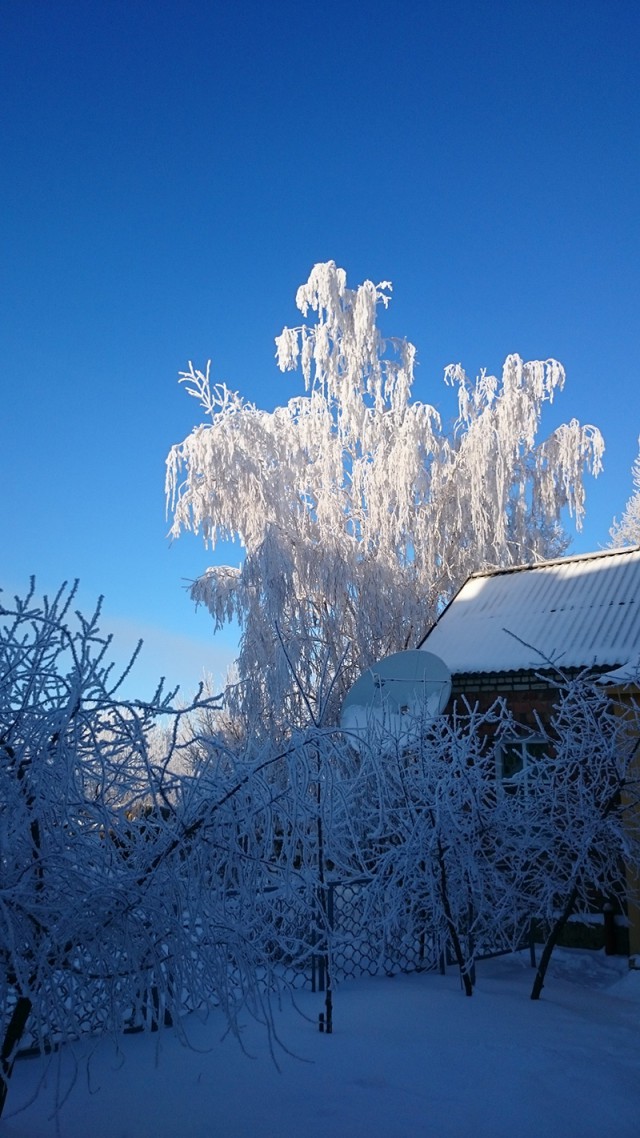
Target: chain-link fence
331,928
343,938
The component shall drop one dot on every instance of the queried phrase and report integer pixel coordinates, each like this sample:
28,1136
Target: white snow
576,612
410,1056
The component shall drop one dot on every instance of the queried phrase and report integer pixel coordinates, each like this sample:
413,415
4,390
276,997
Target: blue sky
171,172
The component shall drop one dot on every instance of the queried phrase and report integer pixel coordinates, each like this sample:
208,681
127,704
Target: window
518,763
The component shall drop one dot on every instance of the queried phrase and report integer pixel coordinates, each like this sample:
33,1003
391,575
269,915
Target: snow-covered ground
409,1057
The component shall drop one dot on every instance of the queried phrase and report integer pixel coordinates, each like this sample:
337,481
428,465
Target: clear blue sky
172,169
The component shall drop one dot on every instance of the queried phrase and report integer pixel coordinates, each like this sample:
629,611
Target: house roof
577,611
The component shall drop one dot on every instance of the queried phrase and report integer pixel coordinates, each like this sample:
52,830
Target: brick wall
525,693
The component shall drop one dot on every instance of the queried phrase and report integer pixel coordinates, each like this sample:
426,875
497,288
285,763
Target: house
508,631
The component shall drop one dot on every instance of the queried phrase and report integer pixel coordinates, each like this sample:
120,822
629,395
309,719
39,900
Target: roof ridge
600,553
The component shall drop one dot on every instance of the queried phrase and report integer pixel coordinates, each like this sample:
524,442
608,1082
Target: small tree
358,513
581,816
627,530
444,859
129,891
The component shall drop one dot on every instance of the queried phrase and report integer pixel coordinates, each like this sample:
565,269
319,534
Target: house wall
526,694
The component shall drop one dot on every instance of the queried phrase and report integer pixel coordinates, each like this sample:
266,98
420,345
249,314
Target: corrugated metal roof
577,611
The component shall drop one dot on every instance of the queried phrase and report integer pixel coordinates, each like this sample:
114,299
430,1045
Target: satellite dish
394,693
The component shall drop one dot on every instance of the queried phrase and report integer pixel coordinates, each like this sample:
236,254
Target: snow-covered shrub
127,889
441,837
581,816
473,860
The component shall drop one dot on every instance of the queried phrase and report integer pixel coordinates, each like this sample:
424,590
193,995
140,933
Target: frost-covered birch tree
627,530
359,513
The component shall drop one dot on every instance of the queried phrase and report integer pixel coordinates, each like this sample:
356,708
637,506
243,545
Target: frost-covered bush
581,816
129,891
442,837
475,860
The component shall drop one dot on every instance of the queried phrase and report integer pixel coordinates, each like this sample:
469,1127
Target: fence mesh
332,930
344,941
